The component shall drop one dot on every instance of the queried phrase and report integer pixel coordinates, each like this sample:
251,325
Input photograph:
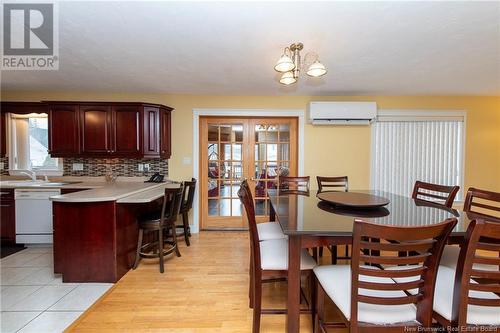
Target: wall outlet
140,167
77,166
186,160
146,167
2,165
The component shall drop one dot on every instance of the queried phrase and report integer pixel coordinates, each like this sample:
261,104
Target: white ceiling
231,47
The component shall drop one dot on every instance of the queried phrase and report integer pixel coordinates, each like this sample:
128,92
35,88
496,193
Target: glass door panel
259,150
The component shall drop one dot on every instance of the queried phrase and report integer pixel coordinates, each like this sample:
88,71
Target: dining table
310,222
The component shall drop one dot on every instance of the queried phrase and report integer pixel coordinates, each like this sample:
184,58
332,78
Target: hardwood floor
205,290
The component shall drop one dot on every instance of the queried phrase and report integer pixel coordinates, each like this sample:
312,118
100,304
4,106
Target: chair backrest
296,184
171,203
428,191
481,247
333,183
246,199
188,195
377,245
488,202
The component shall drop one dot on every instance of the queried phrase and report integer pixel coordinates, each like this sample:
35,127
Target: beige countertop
148,195
108,192
95,189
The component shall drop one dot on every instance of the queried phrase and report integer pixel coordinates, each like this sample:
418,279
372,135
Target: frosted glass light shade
288,78
316,69
284,64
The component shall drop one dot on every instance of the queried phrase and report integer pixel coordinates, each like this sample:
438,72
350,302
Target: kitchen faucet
30,173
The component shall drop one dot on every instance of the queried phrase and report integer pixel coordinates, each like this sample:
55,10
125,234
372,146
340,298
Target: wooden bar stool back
186,205
161,223
445,195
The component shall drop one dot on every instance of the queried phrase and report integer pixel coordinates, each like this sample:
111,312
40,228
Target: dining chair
268,262
488,203
266,230
325,184
295,184
368,297
332,183
186,205
439,194
467,299
161,222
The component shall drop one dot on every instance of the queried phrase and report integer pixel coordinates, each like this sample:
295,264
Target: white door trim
299,113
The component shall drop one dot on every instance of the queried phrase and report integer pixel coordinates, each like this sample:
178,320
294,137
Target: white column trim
299,113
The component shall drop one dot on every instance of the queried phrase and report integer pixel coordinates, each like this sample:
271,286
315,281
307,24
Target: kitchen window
412,145
29,144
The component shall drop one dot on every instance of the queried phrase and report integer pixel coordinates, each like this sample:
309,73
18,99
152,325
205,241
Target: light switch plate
2,165
146,167
186,160
77,166
140,167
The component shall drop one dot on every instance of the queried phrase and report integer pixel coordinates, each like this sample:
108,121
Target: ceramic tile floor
34,299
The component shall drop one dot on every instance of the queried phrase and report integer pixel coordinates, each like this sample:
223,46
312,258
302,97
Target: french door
233,149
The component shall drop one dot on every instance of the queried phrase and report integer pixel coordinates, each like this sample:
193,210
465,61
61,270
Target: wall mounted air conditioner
342,113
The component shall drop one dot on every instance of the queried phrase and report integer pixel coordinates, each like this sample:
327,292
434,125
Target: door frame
197,112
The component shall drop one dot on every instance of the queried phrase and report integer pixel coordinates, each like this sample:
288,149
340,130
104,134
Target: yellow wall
328,150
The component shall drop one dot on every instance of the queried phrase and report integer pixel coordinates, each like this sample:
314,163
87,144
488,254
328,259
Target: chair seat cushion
274,256
450,259
443,298
443,301
336,281
270,230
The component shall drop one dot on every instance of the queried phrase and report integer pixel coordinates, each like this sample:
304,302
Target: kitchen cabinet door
3,133
151,148
64,129
126,131
165,130
96,123
8,216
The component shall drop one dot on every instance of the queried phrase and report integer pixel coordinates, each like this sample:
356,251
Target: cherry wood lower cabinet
95,241
7,216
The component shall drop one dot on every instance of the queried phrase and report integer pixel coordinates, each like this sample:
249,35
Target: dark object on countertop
156,178
7,250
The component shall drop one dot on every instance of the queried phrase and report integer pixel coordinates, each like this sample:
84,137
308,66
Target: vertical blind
406,151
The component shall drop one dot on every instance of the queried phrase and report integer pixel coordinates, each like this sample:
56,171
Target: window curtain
406,151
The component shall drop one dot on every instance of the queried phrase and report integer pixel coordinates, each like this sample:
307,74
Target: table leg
293,296
272,213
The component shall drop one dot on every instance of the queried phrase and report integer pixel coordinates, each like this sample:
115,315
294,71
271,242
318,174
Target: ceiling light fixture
290,64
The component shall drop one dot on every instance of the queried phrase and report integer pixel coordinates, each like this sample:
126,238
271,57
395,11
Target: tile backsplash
97,167
128,167
4,166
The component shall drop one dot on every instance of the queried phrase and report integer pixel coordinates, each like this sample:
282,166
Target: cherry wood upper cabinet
126,134
165,133
109,129
3,138
64,130
96,129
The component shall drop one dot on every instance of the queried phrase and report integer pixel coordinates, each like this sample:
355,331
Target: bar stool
186,205
160,222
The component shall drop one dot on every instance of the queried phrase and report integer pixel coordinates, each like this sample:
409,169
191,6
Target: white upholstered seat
443,298
450,259
270,230
274,256
336,281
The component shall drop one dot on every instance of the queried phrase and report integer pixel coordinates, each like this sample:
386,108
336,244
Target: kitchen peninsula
95,231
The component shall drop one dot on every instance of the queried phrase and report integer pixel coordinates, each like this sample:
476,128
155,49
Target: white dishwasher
34,215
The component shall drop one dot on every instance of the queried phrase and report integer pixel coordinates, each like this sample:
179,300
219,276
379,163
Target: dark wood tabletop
307,215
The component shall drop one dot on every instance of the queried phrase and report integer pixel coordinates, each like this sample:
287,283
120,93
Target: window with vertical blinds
404,151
